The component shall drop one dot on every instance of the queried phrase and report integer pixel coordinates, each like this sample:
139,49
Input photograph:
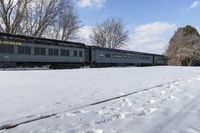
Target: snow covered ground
131,99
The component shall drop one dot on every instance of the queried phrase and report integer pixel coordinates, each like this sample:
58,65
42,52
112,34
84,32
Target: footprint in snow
151,101
112,117
145,111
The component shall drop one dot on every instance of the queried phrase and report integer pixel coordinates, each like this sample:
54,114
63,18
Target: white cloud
152,37
194,5
91,3
84,34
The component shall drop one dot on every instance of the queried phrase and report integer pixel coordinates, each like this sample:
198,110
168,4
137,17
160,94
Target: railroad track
32,118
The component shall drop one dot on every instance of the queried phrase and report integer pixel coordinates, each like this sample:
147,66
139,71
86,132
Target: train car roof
39,40
121,50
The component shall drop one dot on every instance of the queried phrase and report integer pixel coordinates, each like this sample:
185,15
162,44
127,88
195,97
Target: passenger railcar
16,50
115,57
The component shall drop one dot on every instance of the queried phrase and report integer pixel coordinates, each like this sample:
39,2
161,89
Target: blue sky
151,23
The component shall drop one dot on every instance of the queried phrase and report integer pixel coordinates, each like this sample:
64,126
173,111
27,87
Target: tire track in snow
41,116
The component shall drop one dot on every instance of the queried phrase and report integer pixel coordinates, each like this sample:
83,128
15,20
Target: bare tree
188,56
40,15
68,24
110,34
41,18
12,14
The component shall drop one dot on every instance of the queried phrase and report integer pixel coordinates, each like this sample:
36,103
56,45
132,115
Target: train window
20,49
80,53
36,51
120,56
24,50
125,56
100,55
42,51
27,50
10,49
130,56
114,56
67,52
2,49
75,53
7,49
53,52
39,51
50,52
64,52
108,55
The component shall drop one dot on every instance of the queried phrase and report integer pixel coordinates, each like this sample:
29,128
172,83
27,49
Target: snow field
172,107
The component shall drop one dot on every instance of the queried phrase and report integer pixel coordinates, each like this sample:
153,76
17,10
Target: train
27,51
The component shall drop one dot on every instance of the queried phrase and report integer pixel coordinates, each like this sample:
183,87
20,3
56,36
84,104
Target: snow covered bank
25,93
